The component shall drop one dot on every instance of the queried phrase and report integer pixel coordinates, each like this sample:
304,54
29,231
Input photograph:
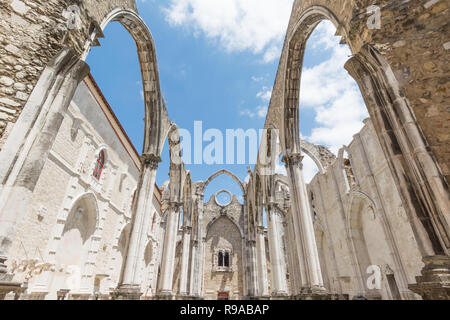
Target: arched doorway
73,249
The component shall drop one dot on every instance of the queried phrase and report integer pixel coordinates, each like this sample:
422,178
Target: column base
37,296
7,287
187,297
339,297
165,295
258,298
434,283
79,296
127,292
280,296
6,284
315,293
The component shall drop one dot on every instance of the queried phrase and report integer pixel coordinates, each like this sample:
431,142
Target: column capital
175,206
150,160
272,206
261,230
293,159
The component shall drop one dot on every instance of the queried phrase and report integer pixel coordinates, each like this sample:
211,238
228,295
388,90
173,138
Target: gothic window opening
226,260
99,165
220,261
223,260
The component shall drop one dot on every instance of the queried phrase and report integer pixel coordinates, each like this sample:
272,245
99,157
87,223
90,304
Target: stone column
185,260
301,213
279,285
420,182
130,287
168,259
194,254
198,251
263,285
22,164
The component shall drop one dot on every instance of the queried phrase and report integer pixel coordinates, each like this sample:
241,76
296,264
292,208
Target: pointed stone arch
232,220
223,172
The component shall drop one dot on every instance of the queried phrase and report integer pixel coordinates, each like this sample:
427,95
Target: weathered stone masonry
320,237
33,32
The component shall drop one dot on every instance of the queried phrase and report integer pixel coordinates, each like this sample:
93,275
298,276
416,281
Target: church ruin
82,218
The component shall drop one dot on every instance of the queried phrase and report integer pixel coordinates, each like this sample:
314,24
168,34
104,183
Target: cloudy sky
217,61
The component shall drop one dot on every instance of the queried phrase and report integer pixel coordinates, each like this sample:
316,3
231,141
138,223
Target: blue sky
217,65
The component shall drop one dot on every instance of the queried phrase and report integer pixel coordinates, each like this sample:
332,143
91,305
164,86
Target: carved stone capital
150,160
293,159
261,230
175,206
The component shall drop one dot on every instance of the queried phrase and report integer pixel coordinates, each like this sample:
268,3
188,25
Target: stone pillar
130,287
185,260
263,285
253,288
168,259
277,258
420,182
434,283
194,254
313,284
198,251
22,161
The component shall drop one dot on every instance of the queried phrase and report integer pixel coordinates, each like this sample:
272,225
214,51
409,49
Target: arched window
220,263
227,260
99,165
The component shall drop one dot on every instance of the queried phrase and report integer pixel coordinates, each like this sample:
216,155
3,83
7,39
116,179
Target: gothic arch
219,173
75,243
409,156
304,26
88,201
215,219
156,118
359,251
321,155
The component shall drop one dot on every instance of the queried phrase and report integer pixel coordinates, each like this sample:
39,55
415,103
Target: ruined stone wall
223,234
413,39
66,176
378,207
31,33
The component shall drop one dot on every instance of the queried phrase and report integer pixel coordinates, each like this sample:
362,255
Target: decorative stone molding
151,160
434,283
293,159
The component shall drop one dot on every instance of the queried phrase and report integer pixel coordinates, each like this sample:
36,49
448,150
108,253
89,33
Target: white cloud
329,90
260,111
257,79
258,26
265,94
